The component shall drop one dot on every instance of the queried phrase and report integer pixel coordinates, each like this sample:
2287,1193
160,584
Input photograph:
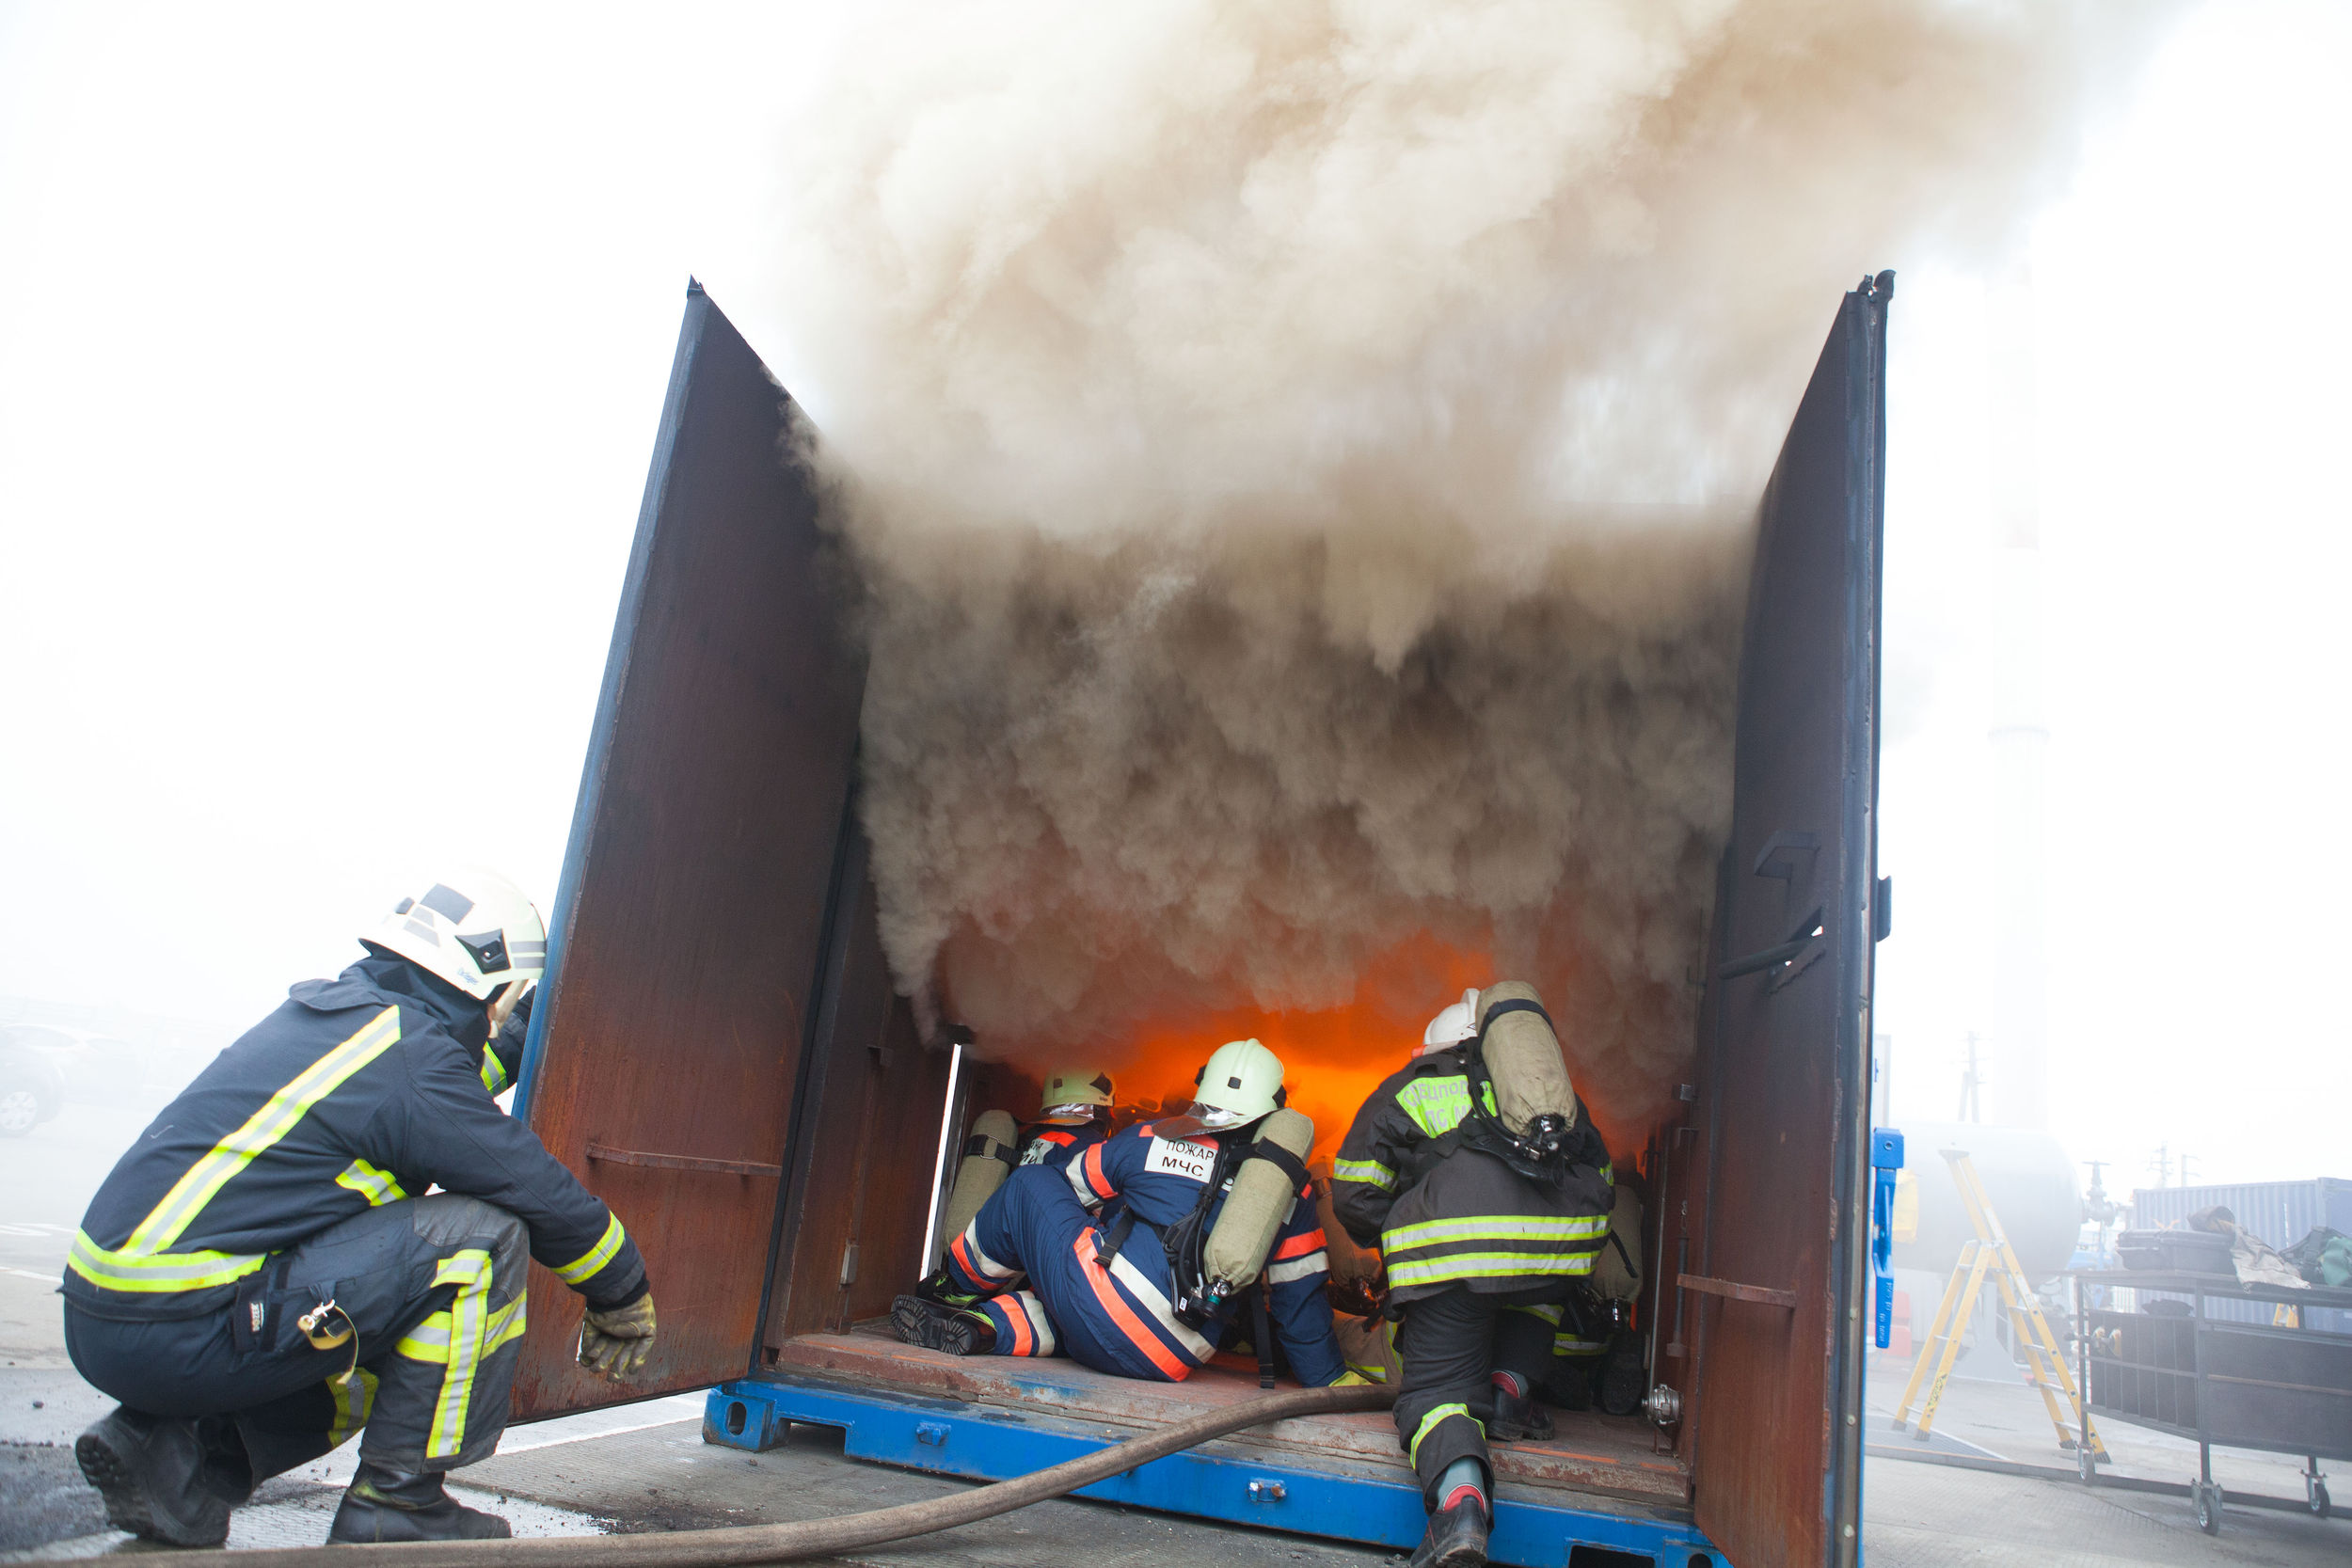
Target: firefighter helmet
1073,1091
1454,1024
473,928
1241,1082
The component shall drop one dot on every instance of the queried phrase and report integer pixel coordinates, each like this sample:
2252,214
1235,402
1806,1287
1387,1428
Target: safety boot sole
108,1464
1452,1543
935,1327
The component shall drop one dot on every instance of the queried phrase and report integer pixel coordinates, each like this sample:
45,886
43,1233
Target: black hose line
807,1538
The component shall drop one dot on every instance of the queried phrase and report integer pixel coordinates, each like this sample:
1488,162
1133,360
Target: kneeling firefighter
1137,1257
1477,1173
1074,1117
255,1284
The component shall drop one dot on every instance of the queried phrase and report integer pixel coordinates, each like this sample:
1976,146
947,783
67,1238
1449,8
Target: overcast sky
331,351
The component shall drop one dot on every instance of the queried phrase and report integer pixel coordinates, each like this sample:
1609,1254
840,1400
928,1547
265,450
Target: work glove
615,1343
1350,1379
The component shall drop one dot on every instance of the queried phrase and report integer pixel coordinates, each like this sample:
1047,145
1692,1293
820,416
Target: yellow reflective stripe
1430,1422
354,1396
580,1269
1568,1344
1487,1265
429,1340
1497,1228
262,1128
158,1271
468,1324
1550,1314
1372,1173
493,1073
376,1186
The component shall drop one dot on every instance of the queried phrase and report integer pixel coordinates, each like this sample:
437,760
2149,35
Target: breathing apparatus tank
1516,1069
1265,1186
988,1156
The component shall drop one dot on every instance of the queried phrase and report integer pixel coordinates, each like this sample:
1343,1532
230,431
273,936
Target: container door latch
1887,1158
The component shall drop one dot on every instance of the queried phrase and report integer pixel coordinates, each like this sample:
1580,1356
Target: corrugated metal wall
2280,1212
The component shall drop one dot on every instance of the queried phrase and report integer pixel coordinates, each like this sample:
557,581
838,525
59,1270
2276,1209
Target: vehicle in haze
32,1091
96,1069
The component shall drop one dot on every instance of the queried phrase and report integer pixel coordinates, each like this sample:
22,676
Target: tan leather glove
614,1344
1350,1379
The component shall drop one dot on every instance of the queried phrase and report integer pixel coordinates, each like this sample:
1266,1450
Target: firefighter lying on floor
1477,1173
255,1282
1138,1258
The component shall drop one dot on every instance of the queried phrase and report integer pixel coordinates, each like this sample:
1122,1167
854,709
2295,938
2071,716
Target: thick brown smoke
1303,459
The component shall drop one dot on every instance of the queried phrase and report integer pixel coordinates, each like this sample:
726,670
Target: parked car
97,1069
32,1089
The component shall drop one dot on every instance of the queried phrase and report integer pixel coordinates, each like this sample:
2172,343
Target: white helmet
1242,1082
473,928
1453,1025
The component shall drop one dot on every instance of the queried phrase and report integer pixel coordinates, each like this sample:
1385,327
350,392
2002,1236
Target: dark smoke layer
1303,462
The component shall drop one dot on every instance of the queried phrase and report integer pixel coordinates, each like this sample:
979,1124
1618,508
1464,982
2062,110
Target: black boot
940,1286
1517,1418
1457,1538
152,1473
393,1505
936,1327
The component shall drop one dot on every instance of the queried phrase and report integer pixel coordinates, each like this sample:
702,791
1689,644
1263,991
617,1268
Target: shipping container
2280,1212
720,1055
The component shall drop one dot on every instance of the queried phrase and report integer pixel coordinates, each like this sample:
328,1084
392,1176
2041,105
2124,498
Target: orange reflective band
1095,1178
1301,1245
1024,1336
1125,1316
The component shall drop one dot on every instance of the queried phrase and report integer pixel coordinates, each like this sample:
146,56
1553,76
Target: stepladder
1987,1258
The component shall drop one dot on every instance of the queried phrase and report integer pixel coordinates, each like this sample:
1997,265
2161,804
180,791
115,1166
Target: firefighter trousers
431,1290
1451,1345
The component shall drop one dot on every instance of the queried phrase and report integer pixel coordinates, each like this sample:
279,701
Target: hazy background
331,347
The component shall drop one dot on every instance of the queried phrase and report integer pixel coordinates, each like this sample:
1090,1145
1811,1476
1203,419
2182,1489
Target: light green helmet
1242,1082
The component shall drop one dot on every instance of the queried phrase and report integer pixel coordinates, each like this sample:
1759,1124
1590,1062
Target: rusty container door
690,924
1776,1282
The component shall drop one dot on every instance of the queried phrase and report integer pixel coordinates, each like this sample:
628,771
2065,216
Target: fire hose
807,1538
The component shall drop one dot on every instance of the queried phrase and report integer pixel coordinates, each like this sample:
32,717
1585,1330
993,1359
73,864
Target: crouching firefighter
255,1282
1074,1116
1477,1173
1139,1257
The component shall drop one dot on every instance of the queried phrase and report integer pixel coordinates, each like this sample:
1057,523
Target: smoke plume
1303,459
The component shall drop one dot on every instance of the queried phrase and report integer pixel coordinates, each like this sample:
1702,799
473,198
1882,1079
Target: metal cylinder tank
2027,1177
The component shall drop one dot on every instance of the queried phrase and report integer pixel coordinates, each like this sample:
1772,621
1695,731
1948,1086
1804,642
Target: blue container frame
985,1443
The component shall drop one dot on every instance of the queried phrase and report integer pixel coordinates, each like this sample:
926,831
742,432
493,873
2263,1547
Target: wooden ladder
1990,1253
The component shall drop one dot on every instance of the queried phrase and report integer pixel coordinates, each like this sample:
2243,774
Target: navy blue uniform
281,1180
1033,1251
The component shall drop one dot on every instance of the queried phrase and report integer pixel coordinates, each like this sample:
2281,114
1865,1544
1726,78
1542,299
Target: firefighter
1098,1260
1074,1116
256,1280
1487,1192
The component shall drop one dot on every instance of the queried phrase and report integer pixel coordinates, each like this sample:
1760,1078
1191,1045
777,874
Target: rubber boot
936,1327
395,1505
151,1471
1519,1418
1457,1538
940,1286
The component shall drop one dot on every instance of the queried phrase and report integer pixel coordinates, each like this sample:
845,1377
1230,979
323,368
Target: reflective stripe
1497,1228
493,1073
1024,1338
1315,1262
429,1340
1430,1422
1039,1324
1301,1245
1550,1314
581,1268
354,1394
262,1128
1568,1344
377,1186
1437,1105
469,1334
978,1265
1098,1186
1487,1265
160,1271
1372,1173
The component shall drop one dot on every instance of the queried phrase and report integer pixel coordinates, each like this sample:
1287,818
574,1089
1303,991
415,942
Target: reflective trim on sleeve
493,1073
1371,1173
157,1271
1497,1228
376,1186
1430,1423
1301,1245
1549,1312
1298,1268
580,1269
1568,1344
